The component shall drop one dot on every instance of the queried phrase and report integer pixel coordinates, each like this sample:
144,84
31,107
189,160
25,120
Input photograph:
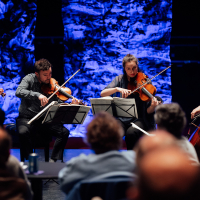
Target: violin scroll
146,91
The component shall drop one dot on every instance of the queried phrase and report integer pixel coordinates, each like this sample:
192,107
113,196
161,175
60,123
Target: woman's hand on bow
125,92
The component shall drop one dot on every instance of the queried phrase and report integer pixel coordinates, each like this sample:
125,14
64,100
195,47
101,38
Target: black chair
112,188
11,129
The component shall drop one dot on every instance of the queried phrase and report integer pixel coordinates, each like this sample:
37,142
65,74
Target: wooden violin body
143,86
64,93
147,91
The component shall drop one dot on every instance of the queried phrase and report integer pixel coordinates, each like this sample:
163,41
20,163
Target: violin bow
196,116
64,83
150,79
192,123
135,126
41,112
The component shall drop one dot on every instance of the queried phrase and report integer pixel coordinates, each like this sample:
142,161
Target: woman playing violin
125,84
32,101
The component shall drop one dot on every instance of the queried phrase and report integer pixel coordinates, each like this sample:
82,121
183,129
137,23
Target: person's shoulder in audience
104,135
86,167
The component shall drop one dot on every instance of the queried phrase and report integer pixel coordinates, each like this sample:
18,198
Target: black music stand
66,114
118,107
107,106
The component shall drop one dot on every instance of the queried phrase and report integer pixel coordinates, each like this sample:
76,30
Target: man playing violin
32,102
125,84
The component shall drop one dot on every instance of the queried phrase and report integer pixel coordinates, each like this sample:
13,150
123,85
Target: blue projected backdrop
98,34
17,22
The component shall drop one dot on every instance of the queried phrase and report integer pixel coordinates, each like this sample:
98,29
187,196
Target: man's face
44,76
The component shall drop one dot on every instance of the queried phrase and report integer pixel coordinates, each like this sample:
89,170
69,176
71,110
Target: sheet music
101,104
50,113
74,113
124,107
81,114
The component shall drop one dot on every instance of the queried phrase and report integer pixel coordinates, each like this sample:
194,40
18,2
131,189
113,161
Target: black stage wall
49,33
185,54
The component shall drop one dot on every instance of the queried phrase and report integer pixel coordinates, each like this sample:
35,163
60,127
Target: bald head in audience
167,173
160,139
164,170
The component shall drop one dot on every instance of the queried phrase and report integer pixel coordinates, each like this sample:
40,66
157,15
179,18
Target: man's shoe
52,160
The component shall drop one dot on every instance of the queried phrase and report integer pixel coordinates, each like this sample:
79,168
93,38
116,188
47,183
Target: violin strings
64,83
151,79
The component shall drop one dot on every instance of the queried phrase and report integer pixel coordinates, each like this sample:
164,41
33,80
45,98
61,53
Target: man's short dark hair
42,64
170,117
104,133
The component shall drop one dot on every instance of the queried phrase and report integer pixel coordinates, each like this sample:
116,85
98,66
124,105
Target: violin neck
145,91
65,94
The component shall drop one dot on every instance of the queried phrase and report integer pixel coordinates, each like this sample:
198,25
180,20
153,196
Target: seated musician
32,102
124,84
196,111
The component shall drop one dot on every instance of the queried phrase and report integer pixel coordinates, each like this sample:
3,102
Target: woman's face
131,69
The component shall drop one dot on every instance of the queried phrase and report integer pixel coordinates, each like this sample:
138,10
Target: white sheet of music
79,117
124,107
81,114
101,104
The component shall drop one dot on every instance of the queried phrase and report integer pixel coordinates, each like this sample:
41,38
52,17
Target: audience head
5,145
161,139
2,117
170,117
167,173
104,133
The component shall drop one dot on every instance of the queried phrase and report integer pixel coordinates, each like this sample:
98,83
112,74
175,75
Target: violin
143,87
62,92
147,91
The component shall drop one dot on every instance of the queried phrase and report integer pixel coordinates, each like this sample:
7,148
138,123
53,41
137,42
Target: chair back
111,188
